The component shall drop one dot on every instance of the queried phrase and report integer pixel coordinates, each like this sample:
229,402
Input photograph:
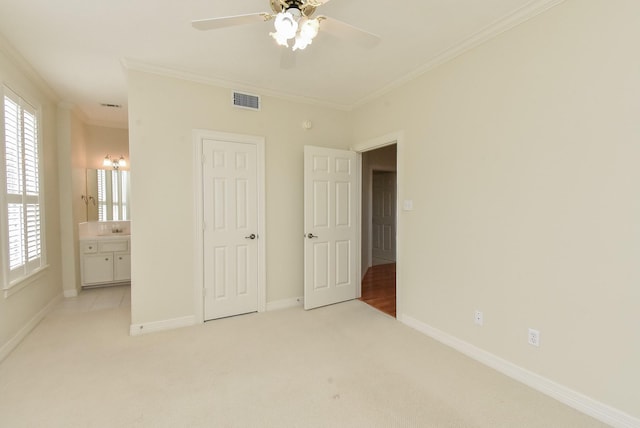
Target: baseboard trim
70,293
12,343
155,326
285,304
574,399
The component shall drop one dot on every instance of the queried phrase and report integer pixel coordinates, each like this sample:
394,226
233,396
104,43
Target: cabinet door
97,268
122,264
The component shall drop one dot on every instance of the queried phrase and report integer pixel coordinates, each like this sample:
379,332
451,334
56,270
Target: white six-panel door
331,198
231,228
383,219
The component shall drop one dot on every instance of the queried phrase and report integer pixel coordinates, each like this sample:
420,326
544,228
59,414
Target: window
102,195
113,195
23,246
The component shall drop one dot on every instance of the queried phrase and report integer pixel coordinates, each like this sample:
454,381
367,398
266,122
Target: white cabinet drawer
113,246
89,247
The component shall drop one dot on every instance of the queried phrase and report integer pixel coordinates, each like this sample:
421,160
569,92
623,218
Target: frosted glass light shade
309,29
280,39
301,43
286,26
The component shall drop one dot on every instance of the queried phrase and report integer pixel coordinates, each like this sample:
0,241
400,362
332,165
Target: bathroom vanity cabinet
105,260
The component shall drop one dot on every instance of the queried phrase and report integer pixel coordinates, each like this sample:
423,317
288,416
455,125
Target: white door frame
198,251
365,146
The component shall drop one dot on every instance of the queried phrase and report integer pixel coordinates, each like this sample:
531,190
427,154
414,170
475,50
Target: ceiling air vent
248,101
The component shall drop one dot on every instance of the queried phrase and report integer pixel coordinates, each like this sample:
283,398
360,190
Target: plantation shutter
102,194
32,185
22,187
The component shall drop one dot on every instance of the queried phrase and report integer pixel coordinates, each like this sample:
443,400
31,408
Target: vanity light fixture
114,163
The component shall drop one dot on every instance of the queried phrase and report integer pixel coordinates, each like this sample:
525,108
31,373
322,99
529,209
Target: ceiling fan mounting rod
297,4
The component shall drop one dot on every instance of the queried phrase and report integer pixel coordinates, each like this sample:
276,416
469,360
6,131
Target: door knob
311,236
252,236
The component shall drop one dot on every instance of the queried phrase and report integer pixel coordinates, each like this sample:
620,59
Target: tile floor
96,299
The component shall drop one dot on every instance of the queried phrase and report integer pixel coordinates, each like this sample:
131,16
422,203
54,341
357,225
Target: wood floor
379,288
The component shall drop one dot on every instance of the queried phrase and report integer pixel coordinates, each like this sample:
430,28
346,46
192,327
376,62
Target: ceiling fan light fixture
280,39
292,21
286,26
301,43
309,29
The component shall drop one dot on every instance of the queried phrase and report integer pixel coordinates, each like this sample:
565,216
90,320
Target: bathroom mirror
107,196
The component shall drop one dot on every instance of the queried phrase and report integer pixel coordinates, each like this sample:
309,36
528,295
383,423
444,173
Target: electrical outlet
478,317
534,337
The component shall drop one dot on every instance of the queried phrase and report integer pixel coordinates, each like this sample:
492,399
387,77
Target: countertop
110,237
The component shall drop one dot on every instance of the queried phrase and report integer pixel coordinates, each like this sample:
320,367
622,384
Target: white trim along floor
345,365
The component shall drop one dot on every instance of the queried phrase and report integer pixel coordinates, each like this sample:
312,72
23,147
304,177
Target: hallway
379,288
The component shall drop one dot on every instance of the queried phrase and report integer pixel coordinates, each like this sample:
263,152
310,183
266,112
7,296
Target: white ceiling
80,47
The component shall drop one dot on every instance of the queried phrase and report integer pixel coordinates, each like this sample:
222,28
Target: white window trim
10,288
24,282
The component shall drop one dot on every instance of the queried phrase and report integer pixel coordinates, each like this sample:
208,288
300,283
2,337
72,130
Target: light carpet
346,365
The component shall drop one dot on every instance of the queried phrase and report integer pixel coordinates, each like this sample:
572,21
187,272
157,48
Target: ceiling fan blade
287,59
346,31
229,21
316,3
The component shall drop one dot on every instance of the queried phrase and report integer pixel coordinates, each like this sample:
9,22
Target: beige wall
73,209
521,157
18,310
78,167
102,141
163,113
70,137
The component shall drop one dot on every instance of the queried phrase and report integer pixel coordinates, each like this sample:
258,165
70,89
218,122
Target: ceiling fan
293,22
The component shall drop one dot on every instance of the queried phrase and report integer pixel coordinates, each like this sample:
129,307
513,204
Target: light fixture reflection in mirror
110,190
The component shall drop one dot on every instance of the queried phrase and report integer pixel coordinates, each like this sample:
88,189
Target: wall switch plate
478,317
407,205
534,337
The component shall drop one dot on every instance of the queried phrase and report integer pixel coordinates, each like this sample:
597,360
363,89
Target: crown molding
77,111
527,12
513,19
25,67
66,105
106,124
74,109
134,65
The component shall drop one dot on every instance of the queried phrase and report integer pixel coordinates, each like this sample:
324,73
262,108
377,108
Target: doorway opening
379,226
